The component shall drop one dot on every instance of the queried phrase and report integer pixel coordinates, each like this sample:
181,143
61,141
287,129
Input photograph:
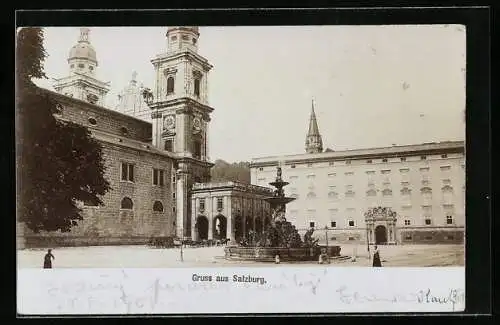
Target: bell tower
181,114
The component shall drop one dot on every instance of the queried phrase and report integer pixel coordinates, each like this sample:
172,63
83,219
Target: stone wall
111,225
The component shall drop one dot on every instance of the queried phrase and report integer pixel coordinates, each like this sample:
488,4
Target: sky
372,86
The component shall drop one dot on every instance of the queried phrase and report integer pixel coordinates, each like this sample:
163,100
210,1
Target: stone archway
238,228
202,226
381,226
220,227
380,235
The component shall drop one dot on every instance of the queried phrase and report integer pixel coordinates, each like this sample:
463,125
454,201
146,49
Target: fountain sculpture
281,238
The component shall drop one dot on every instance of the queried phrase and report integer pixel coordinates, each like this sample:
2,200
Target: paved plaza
145,257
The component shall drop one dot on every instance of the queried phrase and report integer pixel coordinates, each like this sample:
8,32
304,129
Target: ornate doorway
381,226
380,235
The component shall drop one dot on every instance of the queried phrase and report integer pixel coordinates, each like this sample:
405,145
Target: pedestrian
47,262
376,257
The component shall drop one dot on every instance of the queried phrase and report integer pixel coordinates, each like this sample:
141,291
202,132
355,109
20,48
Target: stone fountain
281,237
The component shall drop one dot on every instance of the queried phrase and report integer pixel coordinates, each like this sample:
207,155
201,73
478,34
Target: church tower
181,114
81,82
314,143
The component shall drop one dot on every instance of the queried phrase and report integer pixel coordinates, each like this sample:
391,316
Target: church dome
193,29
83,49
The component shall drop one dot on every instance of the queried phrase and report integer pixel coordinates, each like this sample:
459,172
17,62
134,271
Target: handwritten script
122,293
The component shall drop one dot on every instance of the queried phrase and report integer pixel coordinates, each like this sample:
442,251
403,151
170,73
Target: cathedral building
155,146
391,195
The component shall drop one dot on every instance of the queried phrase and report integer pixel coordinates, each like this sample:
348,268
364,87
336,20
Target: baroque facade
391,195
155,144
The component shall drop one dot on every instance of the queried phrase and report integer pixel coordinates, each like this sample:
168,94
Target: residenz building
391,195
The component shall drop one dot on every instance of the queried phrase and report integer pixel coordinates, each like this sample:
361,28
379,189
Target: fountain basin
267,254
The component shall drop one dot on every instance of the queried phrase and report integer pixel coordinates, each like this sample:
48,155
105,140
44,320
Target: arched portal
380,235
381,226
238,228
258,225
220,227
202,226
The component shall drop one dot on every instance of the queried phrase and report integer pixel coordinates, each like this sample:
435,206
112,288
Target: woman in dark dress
47,262
376,258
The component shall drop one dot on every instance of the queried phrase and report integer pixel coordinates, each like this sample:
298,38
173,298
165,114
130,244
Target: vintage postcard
281,169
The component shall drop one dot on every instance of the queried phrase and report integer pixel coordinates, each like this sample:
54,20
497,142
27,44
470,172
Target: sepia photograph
205,147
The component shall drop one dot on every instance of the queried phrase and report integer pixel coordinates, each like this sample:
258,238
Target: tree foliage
224,171
58,162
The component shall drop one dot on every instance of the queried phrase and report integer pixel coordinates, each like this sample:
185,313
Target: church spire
314,143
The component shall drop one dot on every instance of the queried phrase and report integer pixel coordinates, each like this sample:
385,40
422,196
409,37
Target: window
449,220
292,166
371,192
197,149
332,195
387,192
311,176
444,156
347,162
384,160
173,178
92,121
157,206
123,130
449,237
331,163
202,204
158,177
185,37
403,159
349,194
91,68
194,41
445,168
169,143
220,204
351,223
428,221
332,175
127,203
81,66
309,165
351,238
174,38
173,209
385,171
348,173
311,224
197,87
407,222
423,157
408,237
311,195
127,172
369,161
333,224
428,237
72,66
170,85
261,169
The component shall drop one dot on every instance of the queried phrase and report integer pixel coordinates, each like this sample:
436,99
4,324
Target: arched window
311,195
447,194
157,206
371,192
170,85
333,195
197,87
387,192
426,195
127,203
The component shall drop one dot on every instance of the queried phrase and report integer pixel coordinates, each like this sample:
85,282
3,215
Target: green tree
58,162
